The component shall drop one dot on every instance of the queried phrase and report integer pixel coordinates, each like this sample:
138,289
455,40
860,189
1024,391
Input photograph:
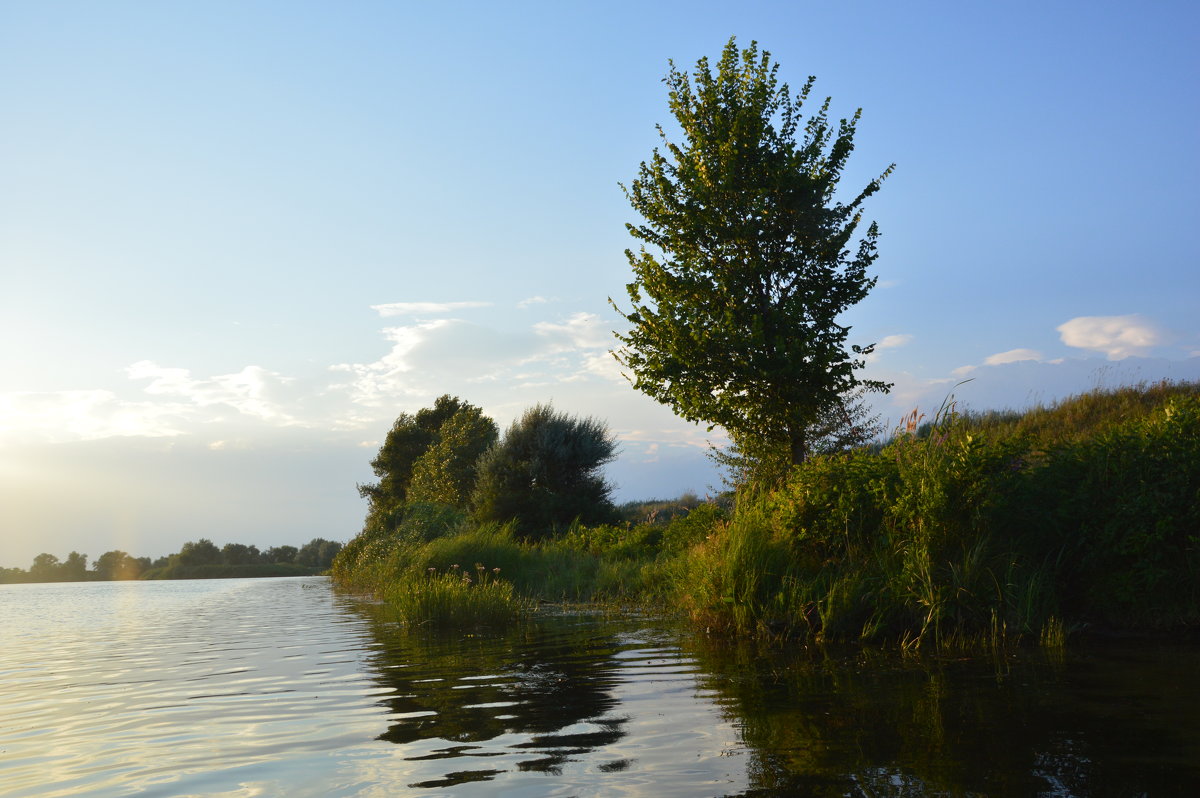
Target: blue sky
237,239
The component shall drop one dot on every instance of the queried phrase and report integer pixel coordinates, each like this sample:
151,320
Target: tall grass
962,529
456,598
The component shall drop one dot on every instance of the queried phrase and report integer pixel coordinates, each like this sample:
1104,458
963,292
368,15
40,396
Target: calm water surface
282,687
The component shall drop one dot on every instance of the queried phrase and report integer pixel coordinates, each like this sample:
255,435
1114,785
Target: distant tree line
196,559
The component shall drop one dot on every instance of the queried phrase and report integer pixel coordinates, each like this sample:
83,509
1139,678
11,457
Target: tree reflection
861,723
541,693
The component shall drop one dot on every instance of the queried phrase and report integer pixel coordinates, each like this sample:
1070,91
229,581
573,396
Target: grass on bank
968,529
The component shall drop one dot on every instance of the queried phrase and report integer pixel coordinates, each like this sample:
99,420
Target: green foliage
456,598
46,568
546,474
745,263
200,552
972,531
753,463
195,560
965,531
428,458
410,437
445,473
240,554
280,554
318,553
118,565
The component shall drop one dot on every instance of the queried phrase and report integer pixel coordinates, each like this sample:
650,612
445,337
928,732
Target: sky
237,239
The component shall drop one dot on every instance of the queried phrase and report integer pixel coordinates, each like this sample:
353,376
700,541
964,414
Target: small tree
745,263
546,474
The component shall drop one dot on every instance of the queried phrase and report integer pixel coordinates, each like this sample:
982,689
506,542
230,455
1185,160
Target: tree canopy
747,257
410,437
545,474
445,472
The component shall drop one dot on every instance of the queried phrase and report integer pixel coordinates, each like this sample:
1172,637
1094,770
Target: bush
545,474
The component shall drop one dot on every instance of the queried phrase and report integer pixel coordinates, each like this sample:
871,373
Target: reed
456,598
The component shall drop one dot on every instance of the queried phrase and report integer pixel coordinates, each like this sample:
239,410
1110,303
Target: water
282,687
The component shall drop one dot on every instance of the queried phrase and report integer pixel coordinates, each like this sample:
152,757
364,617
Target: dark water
281,687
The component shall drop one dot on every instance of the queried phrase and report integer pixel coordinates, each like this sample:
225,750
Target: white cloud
1012,356
580,331
253,391
424,308
603,364
530,301
1117,337
894,341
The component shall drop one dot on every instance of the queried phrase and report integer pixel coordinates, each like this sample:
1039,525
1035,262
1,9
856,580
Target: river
284,687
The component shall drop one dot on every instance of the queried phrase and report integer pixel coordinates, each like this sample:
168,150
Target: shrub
545,474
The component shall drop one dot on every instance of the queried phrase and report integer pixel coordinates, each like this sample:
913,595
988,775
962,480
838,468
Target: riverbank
962,530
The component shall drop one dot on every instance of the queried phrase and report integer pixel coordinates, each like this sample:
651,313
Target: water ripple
263,687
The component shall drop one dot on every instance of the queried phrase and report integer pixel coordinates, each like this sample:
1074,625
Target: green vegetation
195,560
975,528
959,531
967,529
455,598
745,265
545,474
451,492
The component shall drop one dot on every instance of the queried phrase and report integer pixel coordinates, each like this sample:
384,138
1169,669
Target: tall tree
747,258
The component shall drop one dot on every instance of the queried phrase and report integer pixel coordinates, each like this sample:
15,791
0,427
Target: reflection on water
1120,720
574,704
281,687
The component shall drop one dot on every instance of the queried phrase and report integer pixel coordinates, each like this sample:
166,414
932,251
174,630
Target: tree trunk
799,444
